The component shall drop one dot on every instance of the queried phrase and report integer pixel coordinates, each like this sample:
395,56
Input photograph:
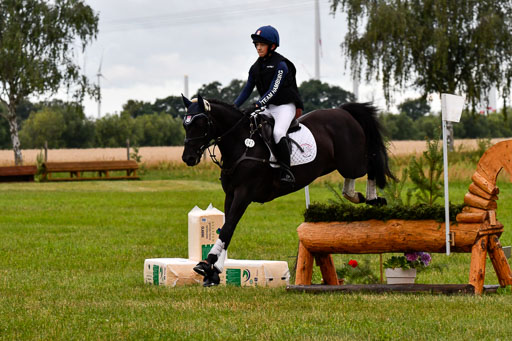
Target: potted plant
402,269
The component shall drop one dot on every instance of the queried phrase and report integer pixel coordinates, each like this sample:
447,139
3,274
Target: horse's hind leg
371,194
349,192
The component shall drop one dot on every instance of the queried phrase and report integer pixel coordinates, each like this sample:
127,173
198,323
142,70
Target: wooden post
499,261
477,267
304,272
381,269
127,149
326,264
45,151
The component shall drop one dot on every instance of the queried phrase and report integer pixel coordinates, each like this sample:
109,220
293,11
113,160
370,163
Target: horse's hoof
202,269
379,201
212,280
357,199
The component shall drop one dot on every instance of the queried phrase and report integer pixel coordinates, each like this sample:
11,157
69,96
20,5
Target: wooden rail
477,231
17,173
101,170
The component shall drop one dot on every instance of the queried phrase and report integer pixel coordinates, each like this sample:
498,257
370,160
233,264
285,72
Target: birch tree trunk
13,129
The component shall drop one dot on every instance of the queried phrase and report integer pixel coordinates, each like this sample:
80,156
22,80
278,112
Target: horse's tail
366,115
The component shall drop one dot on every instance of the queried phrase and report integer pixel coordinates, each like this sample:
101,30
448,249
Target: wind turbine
99,75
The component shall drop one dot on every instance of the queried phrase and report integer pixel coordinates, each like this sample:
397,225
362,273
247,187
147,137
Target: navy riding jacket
274,78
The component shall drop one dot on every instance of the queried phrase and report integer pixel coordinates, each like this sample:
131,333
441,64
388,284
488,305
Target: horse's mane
226,105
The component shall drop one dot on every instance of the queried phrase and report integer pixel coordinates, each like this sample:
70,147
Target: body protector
263,72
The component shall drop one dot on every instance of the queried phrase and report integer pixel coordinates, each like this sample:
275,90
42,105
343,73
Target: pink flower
352,263
411,257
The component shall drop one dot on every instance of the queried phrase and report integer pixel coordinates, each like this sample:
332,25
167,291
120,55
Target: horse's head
198,130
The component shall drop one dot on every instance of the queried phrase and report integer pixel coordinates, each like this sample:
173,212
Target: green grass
72,255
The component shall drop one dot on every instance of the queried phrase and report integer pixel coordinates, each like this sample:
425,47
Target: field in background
153,156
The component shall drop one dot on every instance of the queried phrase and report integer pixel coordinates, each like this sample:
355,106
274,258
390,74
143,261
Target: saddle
266,128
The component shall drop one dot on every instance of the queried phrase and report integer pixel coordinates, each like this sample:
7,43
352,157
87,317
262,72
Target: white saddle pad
306,141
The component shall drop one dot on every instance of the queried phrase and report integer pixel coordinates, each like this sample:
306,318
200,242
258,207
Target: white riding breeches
283,115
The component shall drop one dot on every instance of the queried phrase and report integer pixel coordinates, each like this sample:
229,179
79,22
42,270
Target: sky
147,47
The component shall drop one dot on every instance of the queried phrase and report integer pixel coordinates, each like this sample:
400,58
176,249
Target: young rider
274,77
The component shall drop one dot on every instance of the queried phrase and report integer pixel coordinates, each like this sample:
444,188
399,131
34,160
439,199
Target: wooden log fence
475,231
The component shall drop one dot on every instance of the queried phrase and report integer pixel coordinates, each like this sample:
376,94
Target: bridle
209,134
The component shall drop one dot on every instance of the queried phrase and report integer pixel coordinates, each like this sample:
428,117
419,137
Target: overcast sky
149,46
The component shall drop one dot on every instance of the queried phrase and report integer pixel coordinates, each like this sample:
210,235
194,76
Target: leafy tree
37,42
414,108
136,108
113,130
437,46
172,105
62,125
159,130
318,95
44,125
228,93
399,127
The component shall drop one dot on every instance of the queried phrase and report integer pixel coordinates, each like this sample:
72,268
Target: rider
274,77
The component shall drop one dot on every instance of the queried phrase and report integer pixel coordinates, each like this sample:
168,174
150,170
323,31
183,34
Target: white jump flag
451,108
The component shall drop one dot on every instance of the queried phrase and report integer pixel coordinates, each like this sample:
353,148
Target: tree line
65,125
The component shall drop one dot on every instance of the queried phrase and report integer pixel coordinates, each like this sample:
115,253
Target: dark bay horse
348,140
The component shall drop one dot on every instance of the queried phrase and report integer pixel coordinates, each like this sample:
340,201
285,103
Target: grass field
72,254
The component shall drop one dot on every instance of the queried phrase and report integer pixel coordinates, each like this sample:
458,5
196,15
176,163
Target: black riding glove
253,108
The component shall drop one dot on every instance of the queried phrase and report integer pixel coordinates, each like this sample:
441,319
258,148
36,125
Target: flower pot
400,276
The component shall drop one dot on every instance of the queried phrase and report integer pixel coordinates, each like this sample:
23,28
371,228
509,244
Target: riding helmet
266,34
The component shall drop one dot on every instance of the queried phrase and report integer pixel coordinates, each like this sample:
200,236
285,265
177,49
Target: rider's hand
253,109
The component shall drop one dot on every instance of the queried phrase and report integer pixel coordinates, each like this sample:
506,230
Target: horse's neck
232,140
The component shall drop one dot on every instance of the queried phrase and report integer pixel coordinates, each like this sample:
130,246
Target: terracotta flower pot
400,276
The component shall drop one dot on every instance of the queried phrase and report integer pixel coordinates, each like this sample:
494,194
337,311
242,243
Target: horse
348,139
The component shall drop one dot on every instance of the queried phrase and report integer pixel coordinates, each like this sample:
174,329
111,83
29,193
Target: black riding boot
283,157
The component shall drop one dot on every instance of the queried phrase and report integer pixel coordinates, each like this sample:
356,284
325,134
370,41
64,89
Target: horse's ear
186,101
200,101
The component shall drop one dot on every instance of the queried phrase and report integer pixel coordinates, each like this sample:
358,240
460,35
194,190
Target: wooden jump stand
476,230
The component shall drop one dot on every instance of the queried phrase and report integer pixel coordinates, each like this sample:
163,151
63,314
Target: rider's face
262,49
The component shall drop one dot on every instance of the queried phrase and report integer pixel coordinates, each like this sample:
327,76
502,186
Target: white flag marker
451,108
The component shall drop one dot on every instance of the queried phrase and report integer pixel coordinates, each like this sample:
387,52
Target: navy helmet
266,34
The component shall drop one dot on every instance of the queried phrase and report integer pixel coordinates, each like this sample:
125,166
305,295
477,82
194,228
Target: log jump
475,231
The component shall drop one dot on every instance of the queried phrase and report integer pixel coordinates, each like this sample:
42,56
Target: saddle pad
306,141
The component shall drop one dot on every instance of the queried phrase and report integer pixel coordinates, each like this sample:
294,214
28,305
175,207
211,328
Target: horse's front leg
234,206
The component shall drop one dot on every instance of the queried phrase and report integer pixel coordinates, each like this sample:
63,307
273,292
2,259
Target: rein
244,155
212,141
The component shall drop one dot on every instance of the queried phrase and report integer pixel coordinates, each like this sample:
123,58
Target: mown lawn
72,254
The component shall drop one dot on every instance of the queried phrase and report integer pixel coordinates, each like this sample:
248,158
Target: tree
159,130
318,95
435,46
63,125
113,130
37,43
136,108
172,105
228,93
414,108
